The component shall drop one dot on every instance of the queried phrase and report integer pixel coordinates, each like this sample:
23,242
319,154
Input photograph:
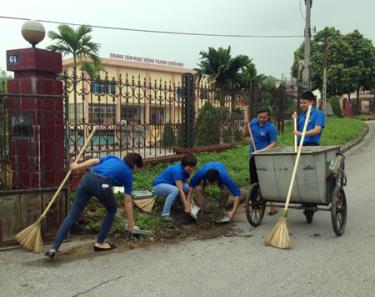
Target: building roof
136,65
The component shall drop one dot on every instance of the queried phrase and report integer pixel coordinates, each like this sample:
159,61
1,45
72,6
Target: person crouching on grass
171,183
215,173
98,181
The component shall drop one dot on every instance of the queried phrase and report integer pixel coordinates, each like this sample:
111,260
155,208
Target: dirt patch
184,230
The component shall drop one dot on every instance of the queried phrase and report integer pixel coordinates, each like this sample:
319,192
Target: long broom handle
68,174
297,159
295,136
251,136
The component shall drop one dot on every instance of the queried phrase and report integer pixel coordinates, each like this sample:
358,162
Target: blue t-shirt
316,119
172,174
263,135
224,178
116,169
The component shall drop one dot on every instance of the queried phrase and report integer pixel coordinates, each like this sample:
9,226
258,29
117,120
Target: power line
157,31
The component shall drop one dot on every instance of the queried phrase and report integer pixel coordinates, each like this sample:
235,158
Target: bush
334,101
168,138
207,126
232,134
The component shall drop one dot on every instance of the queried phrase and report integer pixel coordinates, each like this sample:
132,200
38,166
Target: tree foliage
207,125
76,42
350,63
4,77
221,68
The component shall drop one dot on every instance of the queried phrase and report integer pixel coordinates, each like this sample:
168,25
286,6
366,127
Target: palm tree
76,42
223,71
92,69
221,68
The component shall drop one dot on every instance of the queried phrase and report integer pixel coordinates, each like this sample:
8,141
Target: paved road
320,264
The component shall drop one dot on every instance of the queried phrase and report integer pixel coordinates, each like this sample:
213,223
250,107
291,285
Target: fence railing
148,117
134,114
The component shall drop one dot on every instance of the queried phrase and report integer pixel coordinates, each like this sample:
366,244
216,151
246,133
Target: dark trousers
90,185
253,171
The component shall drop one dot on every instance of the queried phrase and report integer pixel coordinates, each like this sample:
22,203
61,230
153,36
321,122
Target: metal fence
133,114
149,117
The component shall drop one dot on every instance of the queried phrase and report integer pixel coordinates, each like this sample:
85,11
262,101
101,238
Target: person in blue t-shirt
98,181
211,173
316,121
265,137
172,182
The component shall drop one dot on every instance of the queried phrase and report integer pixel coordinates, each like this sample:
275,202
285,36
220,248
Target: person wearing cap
316,122
215,173
264,133
103,174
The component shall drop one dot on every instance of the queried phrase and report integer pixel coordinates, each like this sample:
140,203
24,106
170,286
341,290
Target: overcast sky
272,56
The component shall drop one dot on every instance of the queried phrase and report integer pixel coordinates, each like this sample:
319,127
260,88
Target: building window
76,109
130,113
180,93
102,113
103,87
156,115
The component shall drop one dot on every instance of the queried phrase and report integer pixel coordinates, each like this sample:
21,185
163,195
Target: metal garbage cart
319,183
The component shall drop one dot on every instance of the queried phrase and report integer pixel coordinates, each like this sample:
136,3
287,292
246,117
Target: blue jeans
171,192
90,185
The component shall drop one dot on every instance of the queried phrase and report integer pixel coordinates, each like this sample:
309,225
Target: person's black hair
133,159
308,96
189,160
211,176
264,109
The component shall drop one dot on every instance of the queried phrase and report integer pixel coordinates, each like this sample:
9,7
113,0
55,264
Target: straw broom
279,236
31,237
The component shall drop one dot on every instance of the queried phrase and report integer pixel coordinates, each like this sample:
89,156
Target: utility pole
325,46
306,58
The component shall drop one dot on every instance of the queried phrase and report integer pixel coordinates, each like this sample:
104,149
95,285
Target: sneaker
50,254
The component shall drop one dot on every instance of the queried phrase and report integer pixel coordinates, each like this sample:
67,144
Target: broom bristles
30,238
279,236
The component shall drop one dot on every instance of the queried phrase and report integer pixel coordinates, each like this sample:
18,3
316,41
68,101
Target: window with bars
156,115
103,87
131,113
76,109
102,113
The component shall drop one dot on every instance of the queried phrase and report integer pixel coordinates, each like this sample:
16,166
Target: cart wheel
309,214
338,211
255,206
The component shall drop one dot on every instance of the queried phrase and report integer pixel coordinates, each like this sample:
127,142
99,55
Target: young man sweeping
316,122
98,181
215,173
171,183
314,128
264,135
